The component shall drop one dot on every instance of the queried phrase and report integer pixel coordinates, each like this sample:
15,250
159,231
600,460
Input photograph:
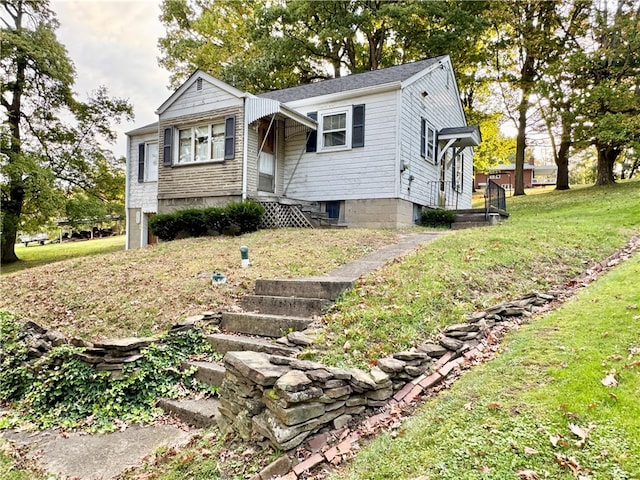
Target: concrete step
223,343
290,306
470,217
211,373
313,287
463,225
262,324
199,413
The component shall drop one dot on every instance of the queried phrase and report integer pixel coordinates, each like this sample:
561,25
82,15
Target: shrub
192,222
437,217
247,215
165,227
216,219
240,217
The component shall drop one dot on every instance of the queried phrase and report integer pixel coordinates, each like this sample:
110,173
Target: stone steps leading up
313,287
211,373
224,343
263,324
289,306
199,413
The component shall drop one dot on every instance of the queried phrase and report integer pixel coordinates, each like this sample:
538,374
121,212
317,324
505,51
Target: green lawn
36,255
516,412
548,239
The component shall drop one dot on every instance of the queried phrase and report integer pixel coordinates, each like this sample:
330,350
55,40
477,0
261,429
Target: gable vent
199,84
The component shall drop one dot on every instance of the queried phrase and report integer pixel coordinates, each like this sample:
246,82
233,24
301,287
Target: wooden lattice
278,215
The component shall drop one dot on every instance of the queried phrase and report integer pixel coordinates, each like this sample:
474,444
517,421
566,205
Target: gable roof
398,74
193,79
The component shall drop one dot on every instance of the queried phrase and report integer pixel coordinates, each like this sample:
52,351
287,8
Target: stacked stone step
286,400
112,355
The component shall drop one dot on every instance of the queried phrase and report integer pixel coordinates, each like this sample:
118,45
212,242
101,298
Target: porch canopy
458,138
257,107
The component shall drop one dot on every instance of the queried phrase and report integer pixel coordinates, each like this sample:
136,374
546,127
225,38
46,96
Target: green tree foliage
523,43
495,148
608,101
40,150
264,45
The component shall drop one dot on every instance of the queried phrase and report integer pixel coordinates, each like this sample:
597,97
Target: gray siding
441,108
357,173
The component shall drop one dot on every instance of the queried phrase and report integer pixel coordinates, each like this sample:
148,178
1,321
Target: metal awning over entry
458,138
256,108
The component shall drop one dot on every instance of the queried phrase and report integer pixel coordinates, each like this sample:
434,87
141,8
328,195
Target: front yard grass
548,239
36,255
143,292
540,409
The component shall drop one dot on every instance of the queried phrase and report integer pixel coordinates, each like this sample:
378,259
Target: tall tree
558,83
608,104
521,41
39,149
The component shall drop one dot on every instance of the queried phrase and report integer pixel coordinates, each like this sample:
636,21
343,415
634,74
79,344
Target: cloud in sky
114,43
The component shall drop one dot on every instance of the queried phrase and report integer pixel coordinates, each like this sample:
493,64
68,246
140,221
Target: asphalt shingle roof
398,73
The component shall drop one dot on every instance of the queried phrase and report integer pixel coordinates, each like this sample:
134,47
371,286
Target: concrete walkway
103,456
407,244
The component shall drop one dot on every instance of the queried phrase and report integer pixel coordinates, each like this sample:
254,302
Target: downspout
126,193
245,148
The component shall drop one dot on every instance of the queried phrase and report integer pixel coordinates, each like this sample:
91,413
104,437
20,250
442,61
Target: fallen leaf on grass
609,380
526,474
581,433
569,462
493,406
530,451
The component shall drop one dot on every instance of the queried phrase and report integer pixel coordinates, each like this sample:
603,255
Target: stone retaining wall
286,400
106,355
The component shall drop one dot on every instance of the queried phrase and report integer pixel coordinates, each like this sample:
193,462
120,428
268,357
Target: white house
367,150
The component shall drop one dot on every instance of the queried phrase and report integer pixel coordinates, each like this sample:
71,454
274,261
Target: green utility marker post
244,255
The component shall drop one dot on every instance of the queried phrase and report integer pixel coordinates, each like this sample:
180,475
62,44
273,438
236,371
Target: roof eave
191,80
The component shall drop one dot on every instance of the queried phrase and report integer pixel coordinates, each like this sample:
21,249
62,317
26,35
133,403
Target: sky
113,43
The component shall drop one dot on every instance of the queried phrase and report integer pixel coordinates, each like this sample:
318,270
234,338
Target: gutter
126,193
245,148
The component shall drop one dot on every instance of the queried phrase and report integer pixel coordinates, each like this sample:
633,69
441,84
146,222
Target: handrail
494,197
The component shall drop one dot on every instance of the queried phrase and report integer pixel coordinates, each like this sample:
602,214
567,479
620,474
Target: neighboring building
367,150
504,175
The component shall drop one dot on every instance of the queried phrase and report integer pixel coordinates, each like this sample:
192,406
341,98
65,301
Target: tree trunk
607,157
11,210
521,140
562,161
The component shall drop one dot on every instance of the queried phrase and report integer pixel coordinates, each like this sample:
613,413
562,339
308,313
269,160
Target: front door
267,157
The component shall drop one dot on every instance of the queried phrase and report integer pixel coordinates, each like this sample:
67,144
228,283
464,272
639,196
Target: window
494,176
338,129
427,141
204,143
148,162
151,162
334,130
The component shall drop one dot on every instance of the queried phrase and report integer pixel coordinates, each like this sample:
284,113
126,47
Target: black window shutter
357,137
454,166
167,151
312,139
229,137
141,163
423,138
